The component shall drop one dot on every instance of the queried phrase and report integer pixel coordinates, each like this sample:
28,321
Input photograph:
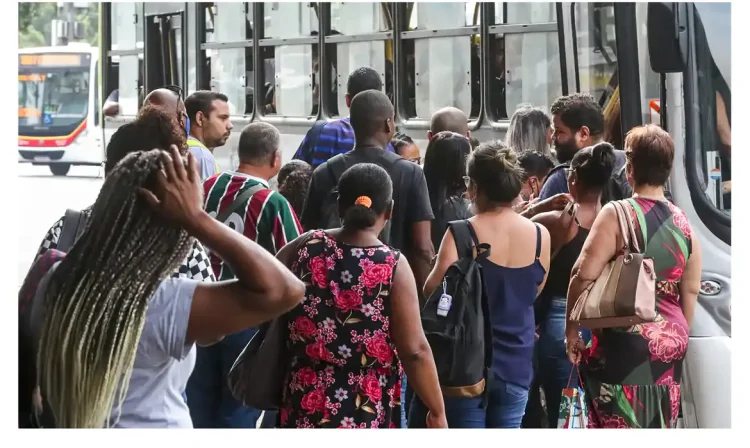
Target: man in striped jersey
267,218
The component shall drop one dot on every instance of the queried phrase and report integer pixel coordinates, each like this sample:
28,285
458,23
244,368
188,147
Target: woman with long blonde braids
116,337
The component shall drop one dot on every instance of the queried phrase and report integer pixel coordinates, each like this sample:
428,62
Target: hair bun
603,154
508,158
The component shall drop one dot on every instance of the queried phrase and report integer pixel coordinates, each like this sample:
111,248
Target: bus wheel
59,169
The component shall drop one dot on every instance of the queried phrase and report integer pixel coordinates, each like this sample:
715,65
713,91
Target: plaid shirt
197,266
336,137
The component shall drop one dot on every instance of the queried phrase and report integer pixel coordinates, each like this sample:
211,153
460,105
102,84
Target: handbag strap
627,227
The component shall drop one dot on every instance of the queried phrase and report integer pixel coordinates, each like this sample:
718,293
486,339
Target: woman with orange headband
361,308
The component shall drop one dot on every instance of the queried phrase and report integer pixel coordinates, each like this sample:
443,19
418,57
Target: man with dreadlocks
154,127
116,337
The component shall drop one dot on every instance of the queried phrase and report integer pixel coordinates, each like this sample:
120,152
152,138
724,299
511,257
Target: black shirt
411,203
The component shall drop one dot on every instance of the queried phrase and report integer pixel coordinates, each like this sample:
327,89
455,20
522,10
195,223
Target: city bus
287,64
58,107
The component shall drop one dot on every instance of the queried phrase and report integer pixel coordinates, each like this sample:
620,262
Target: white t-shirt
163,362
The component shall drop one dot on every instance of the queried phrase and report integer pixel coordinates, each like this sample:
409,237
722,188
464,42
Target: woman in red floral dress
631,375
360,308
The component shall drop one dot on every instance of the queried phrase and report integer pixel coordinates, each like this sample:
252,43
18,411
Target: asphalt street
45,198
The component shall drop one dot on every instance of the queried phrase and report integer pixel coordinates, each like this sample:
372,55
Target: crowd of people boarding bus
391,289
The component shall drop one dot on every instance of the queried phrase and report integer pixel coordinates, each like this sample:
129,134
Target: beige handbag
625,292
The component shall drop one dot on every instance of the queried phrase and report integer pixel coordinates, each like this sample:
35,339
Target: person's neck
368,142
199,136
649,192
255,171
589,205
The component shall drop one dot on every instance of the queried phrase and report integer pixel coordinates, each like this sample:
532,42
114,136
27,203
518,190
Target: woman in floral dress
631,375
360,309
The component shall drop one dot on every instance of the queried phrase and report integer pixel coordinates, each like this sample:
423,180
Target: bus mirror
667,37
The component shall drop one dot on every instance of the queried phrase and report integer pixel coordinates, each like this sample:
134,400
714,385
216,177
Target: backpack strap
73,226
238,201
336,167
538,241
465,238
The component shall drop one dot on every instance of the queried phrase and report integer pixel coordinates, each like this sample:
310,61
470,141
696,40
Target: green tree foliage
35,19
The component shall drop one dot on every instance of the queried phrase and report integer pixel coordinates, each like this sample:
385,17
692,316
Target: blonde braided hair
98,296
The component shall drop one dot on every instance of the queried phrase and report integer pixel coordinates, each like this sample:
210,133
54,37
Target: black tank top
561,267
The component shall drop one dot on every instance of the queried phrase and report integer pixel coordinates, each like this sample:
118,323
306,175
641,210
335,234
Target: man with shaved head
449,119
371,116
242,200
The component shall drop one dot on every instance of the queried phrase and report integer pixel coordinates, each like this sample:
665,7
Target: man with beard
578,122
210,127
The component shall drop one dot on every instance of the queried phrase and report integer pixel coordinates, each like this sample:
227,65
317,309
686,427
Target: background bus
58,107
287,64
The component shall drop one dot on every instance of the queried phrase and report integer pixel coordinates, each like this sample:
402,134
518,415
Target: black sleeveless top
561,267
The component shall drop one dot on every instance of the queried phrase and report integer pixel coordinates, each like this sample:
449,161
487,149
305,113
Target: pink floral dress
343,368
631,375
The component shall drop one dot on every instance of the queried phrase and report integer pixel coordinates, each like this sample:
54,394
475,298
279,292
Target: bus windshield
52,101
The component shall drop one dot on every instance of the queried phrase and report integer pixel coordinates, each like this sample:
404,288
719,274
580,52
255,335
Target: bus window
126,52
596,50
231,68
524,63
713,63
357,19
439,70
289,44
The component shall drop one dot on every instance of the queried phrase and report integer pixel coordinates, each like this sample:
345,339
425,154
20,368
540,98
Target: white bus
287,64
58,107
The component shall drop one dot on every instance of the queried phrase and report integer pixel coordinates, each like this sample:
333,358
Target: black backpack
461,339
330,218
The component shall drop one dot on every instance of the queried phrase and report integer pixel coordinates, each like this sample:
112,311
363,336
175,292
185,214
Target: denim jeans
404,403
210,402
507,404
555,371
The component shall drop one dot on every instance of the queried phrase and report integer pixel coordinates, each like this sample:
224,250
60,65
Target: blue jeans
404,402
210,402
507,404
554,368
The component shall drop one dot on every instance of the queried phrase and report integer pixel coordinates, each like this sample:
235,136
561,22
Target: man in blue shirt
210,127
327,139
578,122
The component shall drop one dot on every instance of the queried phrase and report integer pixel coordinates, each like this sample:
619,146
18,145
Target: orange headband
363,201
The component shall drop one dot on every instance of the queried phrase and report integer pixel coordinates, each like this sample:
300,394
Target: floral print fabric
343,368
631,375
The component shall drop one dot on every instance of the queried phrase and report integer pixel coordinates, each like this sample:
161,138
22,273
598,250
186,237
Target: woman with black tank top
588,175
514,273
444,170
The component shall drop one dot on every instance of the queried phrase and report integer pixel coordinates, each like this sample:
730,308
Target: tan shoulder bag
625,292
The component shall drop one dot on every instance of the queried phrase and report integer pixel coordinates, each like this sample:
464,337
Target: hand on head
178,194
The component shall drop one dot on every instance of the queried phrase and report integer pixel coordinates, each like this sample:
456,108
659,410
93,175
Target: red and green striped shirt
267,218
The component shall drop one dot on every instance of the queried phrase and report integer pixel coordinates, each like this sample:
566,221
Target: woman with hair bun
514,274
588,176
361,307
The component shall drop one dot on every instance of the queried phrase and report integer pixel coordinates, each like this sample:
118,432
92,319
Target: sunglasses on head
176,89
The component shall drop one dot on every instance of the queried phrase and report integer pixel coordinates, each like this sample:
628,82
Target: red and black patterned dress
631,375
343,368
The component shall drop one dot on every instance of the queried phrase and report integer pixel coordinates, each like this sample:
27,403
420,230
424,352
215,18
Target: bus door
164,50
